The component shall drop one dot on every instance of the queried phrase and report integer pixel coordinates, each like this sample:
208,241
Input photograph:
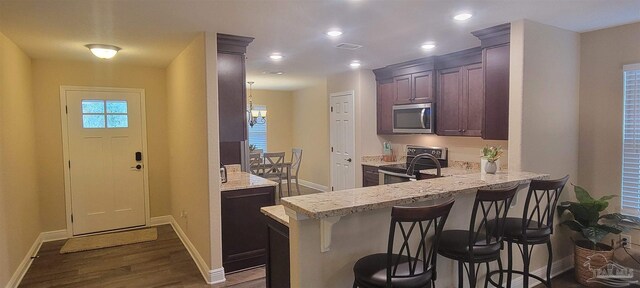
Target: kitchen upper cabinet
495,59
385,99
232,99
422,87
403,92
460,101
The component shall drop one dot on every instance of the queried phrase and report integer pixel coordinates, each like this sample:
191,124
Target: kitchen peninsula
329,232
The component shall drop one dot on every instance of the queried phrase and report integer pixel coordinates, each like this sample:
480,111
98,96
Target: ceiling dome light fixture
103,51
334,33
276,56
463,16
355,64
428,46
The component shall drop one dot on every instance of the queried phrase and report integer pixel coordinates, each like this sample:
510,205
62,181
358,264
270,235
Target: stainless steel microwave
413,118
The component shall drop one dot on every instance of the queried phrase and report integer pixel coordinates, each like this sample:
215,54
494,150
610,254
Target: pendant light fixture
255,116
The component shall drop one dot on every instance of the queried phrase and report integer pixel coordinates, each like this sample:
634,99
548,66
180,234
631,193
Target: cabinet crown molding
233,43
493,36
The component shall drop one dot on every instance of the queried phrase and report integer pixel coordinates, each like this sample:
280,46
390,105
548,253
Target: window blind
631,141
258,133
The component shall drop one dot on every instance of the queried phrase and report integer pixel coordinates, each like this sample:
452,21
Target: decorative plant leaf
607,198
573,225
582,195
587,215
610,228
620,218
594,234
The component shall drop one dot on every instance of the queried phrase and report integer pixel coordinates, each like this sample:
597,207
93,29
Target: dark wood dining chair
481,243
406,267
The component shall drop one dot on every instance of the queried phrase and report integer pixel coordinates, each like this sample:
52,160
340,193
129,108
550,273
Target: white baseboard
22,269
312,185
160,220
558,267
210,276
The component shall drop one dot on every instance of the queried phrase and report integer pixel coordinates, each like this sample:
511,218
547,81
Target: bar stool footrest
490,280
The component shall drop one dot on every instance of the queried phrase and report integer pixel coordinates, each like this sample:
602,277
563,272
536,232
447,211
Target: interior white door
342,141
106,174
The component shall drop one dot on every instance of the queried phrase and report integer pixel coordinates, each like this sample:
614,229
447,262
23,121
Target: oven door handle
422,118
395,174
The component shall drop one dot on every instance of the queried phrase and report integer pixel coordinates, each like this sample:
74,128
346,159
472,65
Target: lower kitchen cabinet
278,263
244,239
370,176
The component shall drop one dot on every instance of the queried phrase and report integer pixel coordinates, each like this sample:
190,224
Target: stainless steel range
396,173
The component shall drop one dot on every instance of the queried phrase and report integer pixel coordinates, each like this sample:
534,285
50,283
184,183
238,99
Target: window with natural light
631,141
258,133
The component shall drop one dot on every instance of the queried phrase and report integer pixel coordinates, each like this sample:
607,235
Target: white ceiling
153,32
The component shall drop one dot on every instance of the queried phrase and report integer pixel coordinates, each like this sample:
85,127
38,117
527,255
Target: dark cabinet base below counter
243,235
278,263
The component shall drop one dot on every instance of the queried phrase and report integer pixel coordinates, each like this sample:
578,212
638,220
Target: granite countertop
450,171
244,180
277,213
345,202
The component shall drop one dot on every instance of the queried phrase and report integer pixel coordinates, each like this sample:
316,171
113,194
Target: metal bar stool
482,242
535,227
404,268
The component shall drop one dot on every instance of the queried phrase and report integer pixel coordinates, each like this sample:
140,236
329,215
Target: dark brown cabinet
423,87
278,264
460,101
232,100
370,176
244,239
385,100
495,60
402,93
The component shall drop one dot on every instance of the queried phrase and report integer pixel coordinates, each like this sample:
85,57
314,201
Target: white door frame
351,94
65,147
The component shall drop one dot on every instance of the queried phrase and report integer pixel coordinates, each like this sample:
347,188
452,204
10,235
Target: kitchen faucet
412,165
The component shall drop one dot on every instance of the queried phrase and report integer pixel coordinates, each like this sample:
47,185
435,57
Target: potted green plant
489,157
593,226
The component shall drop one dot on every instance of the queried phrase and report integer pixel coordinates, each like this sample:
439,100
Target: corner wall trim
210,276
54,235
557,267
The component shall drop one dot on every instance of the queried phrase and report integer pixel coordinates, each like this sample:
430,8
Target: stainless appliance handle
422,117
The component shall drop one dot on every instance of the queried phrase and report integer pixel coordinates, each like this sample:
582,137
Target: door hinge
69,164
71,218
66,109
331,188
331,108
331,149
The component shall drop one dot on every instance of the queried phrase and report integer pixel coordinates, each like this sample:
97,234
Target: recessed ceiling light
103,51
428,46
355,64
334,33
463,16
276,56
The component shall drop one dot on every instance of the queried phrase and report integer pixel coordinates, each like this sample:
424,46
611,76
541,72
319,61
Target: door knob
137,167
349,160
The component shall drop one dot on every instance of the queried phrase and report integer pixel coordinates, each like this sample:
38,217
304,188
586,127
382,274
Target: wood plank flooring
161,263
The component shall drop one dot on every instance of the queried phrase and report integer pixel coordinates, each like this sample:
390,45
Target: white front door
342,141
105,152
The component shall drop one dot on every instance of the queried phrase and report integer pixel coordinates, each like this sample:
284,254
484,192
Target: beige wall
48,76
543,112
311,132
603,53
188,144
19,210
279,119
